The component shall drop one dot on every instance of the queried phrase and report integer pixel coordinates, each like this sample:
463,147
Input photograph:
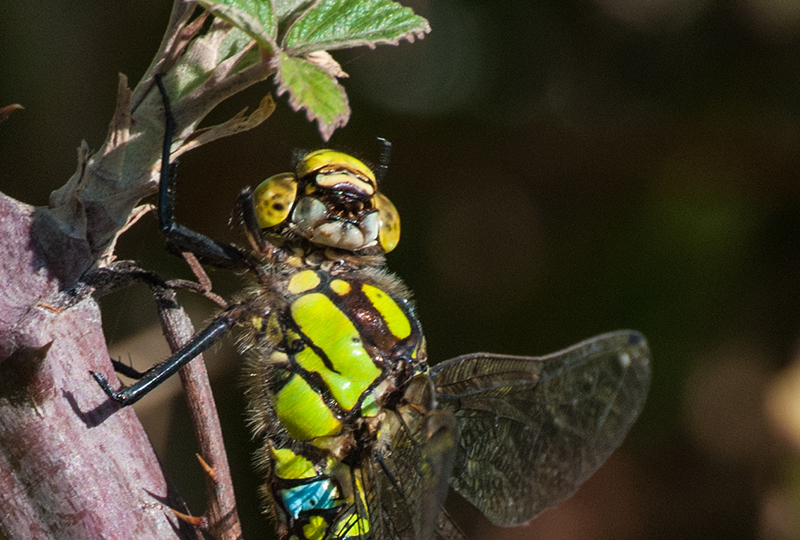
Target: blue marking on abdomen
319,494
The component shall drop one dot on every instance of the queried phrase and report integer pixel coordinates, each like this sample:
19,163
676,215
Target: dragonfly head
331,200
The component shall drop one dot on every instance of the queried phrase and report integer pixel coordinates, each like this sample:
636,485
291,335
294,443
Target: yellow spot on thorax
278,357
258,323
274,333
340,287
303,281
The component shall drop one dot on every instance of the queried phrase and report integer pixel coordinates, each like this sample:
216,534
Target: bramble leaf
284,8
340,24
312,88
296,35
254,17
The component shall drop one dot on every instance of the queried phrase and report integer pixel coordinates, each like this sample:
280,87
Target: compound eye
274,198
388,222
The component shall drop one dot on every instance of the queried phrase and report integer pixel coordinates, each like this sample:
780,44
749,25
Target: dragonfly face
332,200
360,439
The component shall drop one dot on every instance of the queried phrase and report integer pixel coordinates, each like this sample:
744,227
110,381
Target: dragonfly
360,436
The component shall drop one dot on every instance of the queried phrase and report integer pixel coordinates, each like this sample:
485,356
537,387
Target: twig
223,518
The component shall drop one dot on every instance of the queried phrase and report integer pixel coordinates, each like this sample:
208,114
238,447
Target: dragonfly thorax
329,373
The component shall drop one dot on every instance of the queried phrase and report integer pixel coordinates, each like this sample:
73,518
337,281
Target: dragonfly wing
437,456
405,481
533,429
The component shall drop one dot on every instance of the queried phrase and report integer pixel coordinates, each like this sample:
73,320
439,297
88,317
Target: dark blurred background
562,168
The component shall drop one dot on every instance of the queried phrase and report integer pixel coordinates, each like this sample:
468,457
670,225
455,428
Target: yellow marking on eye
334,334
315,528
303,281
396,320
303,412
274,198
340,287
388,222
291,466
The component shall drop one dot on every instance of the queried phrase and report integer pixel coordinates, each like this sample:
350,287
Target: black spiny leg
153,377
180,238
125,369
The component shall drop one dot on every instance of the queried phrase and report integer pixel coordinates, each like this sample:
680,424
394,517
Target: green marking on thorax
303,412
291,466
334,334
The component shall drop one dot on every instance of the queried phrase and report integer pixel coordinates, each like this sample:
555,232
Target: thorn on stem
199,522
208,469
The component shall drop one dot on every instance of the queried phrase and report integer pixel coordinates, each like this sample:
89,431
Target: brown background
562,168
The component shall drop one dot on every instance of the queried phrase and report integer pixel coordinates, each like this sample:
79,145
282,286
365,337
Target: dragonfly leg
156,375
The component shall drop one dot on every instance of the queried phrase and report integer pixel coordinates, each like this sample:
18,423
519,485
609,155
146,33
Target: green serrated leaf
253,17
284,8
339,24
311,88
